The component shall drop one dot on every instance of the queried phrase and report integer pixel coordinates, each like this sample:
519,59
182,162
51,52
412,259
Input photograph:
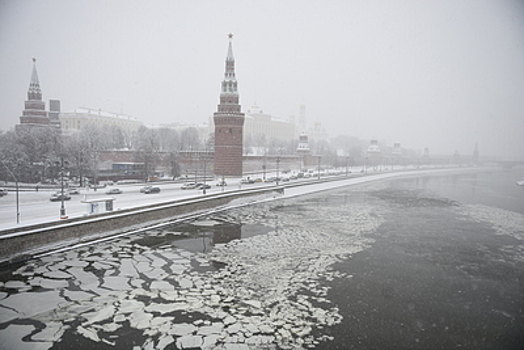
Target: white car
189,186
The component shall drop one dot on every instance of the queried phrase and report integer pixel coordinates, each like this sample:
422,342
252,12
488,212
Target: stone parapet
24,242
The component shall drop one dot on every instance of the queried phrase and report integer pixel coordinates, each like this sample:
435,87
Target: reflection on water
491,188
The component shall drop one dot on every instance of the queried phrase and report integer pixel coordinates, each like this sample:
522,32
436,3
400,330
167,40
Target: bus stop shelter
99,205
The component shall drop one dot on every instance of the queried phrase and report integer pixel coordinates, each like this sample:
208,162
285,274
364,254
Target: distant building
73,121
303,150
397,151
425,157
257,123
34,114
373,153
397,157
261,126
303,144
229,123
302,124
475,156
54,112
318,132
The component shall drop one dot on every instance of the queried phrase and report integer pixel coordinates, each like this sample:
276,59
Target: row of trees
34,154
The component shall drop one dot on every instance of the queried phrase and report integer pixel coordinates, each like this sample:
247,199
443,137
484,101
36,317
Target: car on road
3,192
97,186
152,189
189,186
202,186
114,191
145,188
73,191
221,183
247,181
59,197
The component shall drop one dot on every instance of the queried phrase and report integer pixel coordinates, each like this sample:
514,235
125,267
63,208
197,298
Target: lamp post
347,166
17,193
318,168
62,205
195,165
278,162
205,165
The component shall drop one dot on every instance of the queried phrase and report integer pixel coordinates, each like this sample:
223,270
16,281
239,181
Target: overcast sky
437,74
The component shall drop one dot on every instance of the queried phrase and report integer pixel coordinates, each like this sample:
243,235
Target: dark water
494,188
432,262
433,280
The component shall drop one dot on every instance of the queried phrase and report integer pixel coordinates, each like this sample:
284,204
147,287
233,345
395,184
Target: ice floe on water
505,222
265,291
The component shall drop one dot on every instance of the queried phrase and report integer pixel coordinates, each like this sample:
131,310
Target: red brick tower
229,123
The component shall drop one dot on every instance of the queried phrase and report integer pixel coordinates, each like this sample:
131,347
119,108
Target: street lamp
205,165
62,205
318,168
264,169
17,193
278,162
195,165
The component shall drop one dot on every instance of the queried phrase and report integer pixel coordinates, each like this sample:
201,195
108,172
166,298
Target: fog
437,74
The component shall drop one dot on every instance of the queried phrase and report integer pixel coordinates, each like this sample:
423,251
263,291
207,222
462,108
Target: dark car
201,186
152,190
59,197
3,192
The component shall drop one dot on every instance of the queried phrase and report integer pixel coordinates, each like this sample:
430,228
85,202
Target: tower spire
34,92
230,48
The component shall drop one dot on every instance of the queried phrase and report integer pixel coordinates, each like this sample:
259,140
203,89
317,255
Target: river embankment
19,243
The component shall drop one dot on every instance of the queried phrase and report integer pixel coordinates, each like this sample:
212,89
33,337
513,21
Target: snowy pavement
35,207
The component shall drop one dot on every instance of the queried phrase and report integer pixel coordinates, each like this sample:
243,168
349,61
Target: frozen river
420,263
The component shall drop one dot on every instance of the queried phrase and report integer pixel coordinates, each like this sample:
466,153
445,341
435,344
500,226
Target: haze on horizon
437,74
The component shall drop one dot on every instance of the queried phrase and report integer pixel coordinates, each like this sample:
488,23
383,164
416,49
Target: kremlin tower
34,114
229,123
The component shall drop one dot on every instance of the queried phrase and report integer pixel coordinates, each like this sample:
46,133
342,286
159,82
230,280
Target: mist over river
430,262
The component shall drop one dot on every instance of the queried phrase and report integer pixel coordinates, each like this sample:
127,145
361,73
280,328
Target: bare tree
146,150
95,139
14,159
189,139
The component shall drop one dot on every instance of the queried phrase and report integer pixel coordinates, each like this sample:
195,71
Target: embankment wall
24,242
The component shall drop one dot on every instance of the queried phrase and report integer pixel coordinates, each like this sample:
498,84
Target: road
35,207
